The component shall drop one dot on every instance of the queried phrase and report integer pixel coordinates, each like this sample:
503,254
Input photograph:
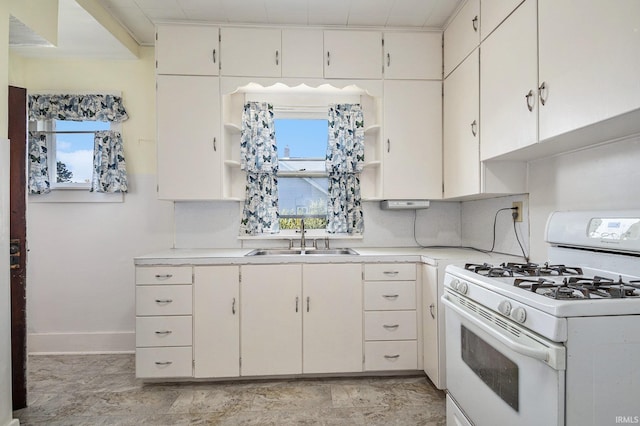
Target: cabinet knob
163,276
474,127
164,362
308,302
164,300
542,92
396,356
164,332
214,56
391,326
233,306
388,59
390,296
296,303
328,58
474,22
277,57
431,307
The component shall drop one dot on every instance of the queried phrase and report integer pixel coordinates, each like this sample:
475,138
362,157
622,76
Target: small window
302,179
71,152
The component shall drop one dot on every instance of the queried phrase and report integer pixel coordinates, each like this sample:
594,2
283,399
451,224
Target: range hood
404,204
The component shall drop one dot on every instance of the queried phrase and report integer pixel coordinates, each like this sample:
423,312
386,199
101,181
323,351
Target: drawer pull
164,300
164,362
390,296
164,276
164,332
391,273
391,326
233,306
396,356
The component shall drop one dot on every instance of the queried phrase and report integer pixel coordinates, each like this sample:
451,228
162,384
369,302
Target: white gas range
556,343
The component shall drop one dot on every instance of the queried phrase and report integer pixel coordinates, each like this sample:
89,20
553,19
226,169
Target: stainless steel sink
299,252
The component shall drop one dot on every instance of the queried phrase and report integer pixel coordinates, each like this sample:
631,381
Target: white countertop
430,256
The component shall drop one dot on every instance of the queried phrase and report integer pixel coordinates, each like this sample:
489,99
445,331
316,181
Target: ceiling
82,35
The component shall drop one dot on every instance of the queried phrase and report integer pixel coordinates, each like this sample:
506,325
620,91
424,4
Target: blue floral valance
77,108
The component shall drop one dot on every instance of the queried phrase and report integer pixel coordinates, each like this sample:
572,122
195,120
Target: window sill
76,195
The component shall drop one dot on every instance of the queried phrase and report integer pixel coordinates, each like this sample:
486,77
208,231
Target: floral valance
77,108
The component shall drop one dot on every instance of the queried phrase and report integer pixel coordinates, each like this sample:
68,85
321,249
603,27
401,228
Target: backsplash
215,224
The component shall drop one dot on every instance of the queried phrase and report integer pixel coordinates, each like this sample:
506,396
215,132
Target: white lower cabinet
432,351
390,317
301,319
216,306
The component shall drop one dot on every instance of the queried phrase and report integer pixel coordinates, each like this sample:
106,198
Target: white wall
80,273
600,178
216,225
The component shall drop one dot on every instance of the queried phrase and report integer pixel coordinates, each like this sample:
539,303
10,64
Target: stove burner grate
581,288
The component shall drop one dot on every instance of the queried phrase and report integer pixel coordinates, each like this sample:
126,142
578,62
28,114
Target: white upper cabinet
508,84
302,53
462,35
187,50
589,62
251,52
188,137
416,55
353,54
461,123
493,12
412,157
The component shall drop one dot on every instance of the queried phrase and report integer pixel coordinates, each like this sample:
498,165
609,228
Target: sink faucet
302,236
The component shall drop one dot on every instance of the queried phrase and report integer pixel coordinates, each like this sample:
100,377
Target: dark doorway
18,231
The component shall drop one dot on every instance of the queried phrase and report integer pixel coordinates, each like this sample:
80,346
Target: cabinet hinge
156,68
240,362
362,359
240,275
362,274
193,363
156,36
157,188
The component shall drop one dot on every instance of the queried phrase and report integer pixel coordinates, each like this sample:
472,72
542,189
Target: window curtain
109,168
77,108
37,164
344,163
259,158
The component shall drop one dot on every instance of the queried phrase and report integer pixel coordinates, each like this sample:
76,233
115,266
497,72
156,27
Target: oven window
496,370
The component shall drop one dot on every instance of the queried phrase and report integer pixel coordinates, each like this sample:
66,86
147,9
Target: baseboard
80,343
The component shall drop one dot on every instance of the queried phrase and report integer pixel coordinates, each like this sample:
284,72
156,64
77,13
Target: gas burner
550,288
536,270
581,288
489,270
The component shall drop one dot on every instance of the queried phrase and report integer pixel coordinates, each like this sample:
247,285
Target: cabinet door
188,135
461,145
187,50
430,323
413,56
271,319
462,35
252,52
508,85
493,12
412,165
353,54
302,53
589,62
332,320
216,318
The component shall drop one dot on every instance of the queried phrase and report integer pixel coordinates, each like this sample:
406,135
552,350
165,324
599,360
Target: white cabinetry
188,133
493,12
413,139
277,300
432,351
302,53
415,55
271,319
508,84
187,50
462,35
252,52
390,328
352,54
216,305
589,62
164,322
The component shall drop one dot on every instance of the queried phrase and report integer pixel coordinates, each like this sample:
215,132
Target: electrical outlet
517,214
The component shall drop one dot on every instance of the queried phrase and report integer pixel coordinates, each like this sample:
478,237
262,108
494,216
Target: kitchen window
302,178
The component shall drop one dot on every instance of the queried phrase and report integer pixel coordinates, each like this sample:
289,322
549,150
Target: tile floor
102,390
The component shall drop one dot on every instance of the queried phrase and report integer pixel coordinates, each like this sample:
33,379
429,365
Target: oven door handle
539,354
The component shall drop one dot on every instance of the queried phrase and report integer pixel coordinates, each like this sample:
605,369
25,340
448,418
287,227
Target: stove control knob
455,284
519,314
504,308
463,287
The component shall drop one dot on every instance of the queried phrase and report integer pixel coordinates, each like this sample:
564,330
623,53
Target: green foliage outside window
316,209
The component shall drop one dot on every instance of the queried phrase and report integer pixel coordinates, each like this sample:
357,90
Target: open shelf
233,128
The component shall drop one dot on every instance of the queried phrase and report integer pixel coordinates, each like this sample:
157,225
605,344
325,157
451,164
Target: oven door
497,372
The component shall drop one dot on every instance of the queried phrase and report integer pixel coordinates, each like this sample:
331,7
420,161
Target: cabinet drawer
164,362
164,300
163,331
389,295
401,355
149,275
389,272
390,325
